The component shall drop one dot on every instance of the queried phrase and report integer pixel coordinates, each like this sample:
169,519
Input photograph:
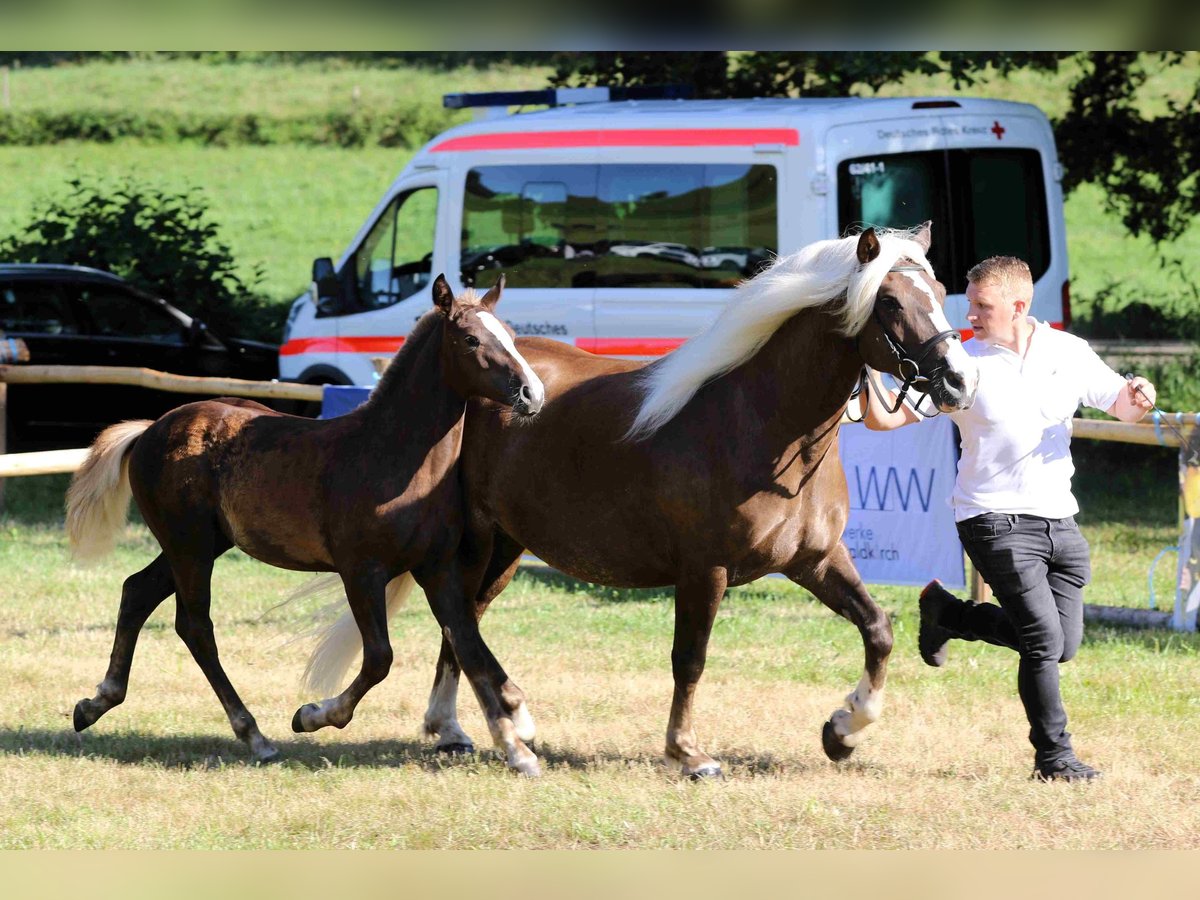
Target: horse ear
443,297
492,297
868,246
924,235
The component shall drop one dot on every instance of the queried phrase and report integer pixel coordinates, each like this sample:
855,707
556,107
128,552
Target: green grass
946,767
273,90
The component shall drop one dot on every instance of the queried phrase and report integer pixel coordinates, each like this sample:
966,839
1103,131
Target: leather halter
908,365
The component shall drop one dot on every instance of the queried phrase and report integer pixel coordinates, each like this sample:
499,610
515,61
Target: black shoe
1069,769
932,637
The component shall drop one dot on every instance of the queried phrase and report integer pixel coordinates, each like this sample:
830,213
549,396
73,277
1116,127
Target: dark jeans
1036,568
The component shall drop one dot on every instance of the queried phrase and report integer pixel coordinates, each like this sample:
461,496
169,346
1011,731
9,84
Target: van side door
385,280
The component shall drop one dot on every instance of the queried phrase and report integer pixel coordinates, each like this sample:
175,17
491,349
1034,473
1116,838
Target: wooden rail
162,381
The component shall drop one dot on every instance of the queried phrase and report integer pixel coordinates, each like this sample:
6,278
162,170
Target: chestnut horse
711,467
372,495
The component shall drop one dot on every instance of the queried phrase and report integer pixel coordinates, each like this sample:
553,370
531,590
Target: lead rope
1161,417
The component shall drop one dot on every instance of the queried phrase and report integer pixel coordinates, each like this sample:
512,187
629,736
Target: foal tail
98,498
340,642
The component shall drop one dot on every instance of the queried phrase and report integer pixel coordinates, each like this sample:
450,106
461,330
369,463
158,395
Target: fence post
12,350
980,592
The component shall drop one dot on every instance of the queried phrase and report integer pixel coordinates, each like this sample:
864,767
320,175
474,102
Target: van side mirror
326,291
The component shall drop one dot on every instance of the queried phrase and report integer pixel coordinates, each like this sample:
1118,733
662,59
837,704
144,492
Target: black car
72,315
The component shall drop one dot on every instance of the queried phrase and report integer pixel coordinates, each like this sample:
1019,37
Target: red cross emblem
998,130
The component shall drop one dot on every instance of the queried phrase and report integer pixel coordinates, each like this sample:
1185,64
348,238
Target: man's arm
875,416
1134,401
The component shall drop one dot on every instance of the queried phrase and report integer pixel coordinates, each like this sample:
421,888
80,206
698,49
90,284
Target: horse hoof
707,772
81,719
268,756
298,718
834,748
457,749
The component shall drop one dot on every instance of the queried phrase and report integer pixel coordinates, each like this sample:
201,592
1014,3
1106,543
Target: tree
160,241
1145,159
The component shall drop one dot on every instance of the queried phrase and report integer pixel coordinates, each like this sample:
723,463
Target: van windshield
706,226
982,203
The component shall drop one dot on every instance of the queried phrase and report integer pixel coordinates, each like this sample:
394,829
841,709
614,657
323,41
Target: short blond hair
1008,273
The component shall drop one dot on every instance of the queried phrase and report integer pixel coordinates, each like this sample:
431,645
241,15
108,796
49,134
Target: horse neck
413,397
806,370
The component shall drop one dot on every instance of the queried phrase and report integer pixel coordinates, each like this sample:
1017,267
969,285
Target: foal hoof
298,718
268,756
707,772
81,719
456,749
832,744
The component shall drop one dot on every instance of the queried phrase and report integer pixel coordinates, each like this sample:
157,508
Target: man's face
991,312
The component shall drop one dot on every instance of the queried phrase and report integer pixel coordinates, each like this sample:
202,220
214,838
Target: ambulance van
623,226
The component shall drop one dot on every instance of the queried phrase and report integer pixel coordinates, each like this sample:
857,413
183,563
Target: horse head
479,357
908,335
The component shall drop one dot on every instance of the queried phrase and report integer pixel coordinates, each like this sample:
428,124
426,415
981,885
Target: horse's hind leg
697,598
366,592
141,594
441,716
193,599
837,584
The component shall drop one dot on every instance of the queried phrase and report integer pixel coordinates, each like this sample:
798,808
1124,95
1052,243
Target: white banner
901,526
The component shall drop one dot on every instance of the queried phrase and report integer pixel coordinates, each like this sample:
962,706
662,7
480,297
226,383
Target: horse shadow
552,579
192,752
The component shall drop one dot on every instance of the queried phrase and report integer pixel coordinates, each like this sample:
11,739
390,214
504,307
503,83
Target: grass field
946,767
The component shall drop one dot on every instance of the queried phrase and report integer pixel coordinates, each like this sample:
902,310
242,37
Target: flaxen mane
811,276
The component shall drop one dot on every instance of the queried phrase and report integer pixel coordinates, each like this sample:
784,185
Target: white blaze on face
957,358
492,324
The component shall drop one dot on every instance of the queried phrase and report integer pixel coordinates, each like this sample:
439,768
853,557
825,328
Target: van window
982,203
394,260
619,225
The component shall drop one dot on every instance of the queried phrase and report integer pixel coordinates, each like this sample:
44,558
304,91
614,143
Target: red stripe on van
371,344
622,137
628,346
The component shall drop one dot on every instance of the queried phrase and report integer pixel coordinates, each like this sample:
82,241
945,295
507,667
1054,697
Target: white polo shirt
1016,438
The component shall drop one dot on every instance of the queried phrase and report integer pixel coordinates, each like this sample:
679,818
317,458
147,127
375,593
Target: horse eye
471,341
891,304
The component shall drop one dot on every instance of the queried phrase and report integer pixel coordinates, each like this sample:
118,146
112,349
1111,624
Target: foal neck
413,392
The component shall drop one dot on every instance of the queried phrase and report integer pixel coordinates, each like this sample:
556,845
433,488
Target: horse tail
98,498
340,642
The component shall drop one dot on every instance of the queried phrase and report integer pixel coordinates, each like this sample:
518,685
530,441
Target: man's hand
1141,393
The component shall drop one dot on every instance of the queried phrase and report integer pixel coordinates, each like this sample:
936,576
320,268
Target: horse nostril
526,394
954,380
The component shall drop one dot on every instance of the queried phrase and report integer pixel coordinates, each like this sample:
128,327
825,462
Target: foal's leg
192,567
141,594
498,697
366,592
441,716
697,597
837,584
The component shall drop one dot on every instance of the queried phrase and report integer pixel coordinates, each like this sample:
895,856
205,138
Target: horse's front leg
836,583
697,598
501,555
366,593
499,698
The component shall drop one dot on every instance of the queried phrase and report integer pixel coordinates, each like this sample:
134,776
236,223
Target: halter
909,366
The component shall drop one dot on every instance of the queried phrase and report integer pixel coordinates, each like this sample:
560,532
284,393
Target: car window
114,313
394,261
31,308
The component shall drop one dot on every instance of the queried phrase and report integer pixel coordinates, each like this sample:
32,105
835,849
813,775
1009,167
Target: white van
622,226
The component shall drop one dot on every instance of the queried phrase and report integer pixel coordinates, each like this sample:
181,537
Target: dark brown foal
371,496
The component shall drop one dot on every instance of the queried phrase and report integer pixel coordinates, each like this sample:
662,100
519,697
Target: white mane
809,277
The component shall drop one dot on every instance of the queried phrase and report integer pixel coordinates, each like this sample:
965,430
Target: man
1012,498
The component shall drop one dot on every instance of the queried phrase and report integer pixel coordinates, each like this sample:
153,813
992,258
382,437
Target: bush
162,242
